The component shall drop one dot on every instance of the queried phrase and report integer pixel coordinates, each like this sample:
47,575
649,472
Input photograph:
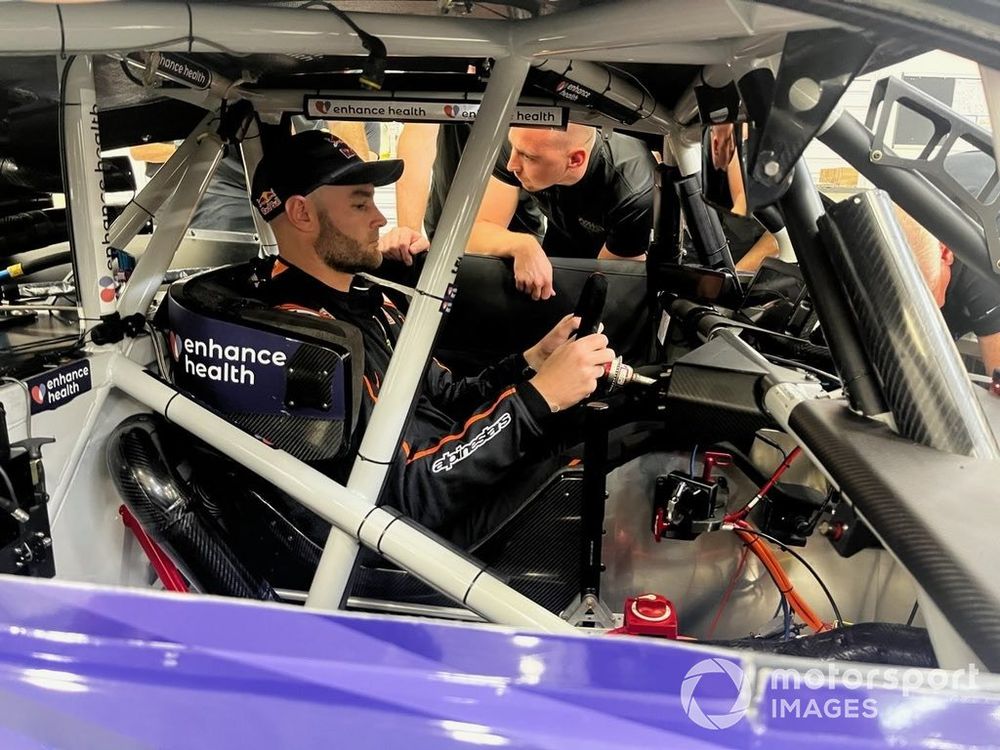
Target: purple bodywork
85,667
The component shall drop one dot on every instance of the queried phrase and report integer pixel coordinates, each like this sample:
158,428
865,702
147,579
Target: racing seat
293,381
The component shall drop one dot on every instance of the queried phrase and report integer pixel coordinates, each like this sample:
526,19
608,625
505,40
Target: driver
468,439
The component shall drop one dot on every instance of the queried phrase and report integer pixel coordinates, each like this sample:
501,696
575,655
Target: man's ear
947,256
577,157
300,213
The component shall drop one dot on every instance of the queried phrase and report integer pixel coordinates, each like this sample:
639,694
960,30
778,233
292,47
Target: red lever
659,524
713,459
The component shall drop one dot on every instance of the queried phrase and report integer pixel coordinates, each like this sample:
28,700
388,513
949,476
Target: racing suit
467,439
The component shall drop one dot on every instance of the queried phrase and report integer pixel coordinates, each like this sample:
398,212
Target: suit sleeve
443,471
457,396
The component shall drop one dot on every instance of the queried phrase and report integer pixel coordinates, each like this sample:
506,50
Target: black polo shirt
971,303
451,140
612,205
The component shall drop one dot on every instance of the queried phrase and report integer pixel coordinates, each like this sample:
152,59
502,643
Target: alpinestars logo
462,451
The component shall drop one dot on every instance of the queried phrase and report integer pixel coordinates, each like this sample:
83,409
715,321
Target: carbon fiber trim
934,511
306,438
536,552
310,375
922,376
162,503
713,395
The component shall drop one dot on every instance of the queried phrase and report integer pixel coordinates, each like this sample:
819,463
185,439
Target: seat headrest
292,380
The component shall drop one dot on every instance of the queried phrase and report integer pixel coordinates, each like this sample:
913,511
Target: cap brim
377,173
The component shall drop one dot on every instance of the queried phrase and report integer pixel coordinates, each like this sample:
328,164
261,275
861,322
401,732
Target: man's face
348,227
538,158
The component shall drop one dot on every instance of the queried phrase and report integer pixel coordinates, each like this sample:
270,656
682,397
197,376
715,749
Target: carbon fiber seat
290,379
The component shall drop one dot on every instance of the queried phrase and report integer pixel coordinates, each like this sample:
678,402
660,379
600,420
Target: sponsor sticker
402,110
185,71
58,387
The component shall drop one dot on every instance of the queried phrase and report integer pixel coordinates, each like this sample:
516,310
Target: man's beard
343,253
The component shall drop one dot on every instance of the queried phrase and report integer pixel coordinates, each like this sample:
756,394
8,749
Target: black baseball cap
301,163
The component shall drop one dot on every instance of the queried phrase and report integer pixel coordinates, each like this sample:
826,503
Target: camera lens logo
725,672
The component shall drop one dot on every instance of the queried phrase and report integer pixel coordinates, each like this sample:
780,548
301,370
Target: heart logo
38,394
323,105
452,110
175,345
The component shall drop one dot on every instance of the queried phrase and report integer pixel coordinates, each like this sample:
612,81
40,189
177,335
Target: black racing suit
467,442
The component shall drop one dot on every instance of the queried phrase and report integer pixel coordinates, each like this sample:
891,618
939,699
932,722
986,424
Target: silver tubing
251,150
697,28
685,148
229,27
610,26
144,206
399,540
381,441
92,256
219,87
149,271
786,251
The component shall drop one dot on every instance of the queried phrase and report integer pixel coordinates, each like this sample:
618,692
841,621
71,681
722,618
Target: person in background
594,189
431,153
969,303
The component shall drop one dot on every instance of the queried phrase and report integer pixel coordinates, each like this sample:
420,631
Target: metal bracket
890,96
590,610
816,68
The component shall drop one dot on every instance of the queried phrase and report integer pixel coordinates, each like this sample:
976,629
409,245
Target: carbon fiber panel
306,438
713,396
537,552
934,511
922,376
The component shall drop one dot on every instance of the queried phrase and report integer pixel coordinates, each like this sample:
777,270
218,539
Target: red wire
729,591
736,515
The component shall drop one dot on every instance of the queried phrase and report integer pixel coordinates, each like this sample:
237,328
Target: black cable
772,443
362,34
126,69
7,482
373,73
805,563
821,374
63,167
10,505
913,612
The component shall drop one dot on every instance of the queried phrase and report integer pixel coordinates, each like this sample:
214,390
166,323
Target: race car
790,468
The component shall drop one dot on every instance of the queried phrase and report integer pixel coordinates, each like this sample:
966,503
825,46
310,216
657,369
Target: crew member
595,191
